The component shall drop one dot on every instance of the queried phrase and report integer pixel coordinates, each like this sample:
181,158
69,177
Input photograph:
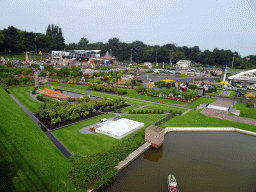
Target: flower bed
89,83
172,98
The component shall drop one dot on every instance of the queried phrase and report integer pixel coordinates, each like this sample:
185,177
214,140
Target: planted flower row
172,98
89,83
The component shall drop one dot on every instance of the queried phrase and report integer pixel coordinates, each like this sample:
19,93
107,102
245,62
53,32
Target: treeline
17,41
168,53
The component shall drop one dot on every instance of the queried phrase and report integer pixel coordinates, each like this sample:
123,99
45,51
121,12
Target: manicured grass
129,108
21,56
69,85
130,92
82,144
165,107
23,95
147,119
245,111
197,119
94,93
79,143
201,100
29,160
215,93
134,93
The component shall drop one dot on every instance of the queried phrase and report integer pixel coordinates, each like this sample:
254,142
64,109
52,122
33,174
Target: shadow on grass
9,169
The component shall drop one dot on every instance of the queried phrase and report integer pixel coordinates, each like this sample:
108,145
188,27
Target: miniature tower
155,136
36,79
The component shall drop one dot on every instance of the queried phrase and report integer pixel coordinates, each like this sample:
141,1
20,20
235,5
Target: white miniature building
120,128
183,64
148,64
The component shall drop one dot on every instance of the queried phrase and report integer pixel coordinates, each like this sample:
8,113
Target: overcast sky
225,24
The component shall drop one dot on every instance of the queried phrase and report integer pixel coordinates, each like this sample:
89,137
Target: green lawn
134,93
130,92
129,108
21,56
245,111
201,100
79,143
233,94
131,101
215,93
69,85
23,95
147,119
165,107
29,160
197,119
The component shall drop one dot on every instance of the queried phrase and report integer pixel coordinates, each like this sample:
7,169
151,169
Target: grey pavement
55,141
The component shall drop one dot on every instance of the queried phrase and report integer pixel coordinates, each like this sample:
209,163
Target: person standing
176,85
187,85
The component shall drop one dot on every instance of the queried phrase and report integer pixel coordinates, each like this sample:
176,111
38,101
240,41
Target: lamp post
156,57
131,55
233,60
35,45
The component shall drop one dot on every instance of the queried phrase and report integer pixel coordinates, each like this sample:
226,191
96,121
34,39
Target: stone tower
36,75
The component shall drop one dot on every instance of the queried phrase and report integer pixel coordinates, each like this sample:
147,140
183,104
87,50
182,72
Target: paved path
224,114
170,104
55,141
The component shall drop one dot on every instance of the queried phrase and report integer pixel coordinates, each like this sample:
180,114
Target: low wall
130,158
225,129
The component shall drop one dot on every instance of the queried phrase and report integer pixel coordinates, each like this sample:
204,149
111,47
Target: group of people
182,87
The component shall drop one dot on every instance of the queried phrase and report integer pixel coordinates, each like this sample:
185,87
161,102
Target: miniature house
155,136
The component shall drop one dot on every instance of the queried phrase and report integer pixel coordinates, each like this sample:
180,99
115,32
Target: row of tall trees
168,53
15,40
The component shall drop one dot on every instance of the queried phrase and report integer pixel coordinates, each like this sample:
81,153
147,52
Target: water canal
200,161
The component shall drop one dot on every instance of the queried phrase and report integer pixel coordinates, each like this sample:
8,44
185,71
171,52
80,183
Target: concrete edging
225,129
130,158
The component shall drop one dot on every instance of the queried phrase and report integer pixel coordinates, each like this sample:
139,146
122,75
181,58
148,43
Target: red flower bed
175,98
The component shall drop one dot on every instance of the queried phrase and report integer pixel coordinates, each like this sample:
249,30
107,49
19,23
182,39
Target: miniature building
150,85
124,79
155,136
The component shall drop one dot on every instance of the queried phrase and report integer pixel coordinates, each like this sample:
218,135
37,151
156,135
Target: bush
193,86
43,114
73,116
240,92
34,91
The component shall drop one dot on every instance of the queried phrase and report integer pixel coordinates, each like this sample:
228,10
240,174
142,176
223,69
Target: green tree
83,43
1,37
11,39
56,38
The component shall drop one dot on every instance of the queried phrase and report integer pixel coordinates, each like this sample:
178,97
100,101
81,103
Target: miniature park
101,117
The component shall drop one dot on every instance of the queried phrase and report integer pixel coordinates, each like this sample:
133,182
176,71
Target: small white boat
172,184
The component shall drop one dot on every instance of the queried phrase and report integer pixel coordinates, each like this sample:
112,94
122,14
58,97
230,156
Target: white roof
120,128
